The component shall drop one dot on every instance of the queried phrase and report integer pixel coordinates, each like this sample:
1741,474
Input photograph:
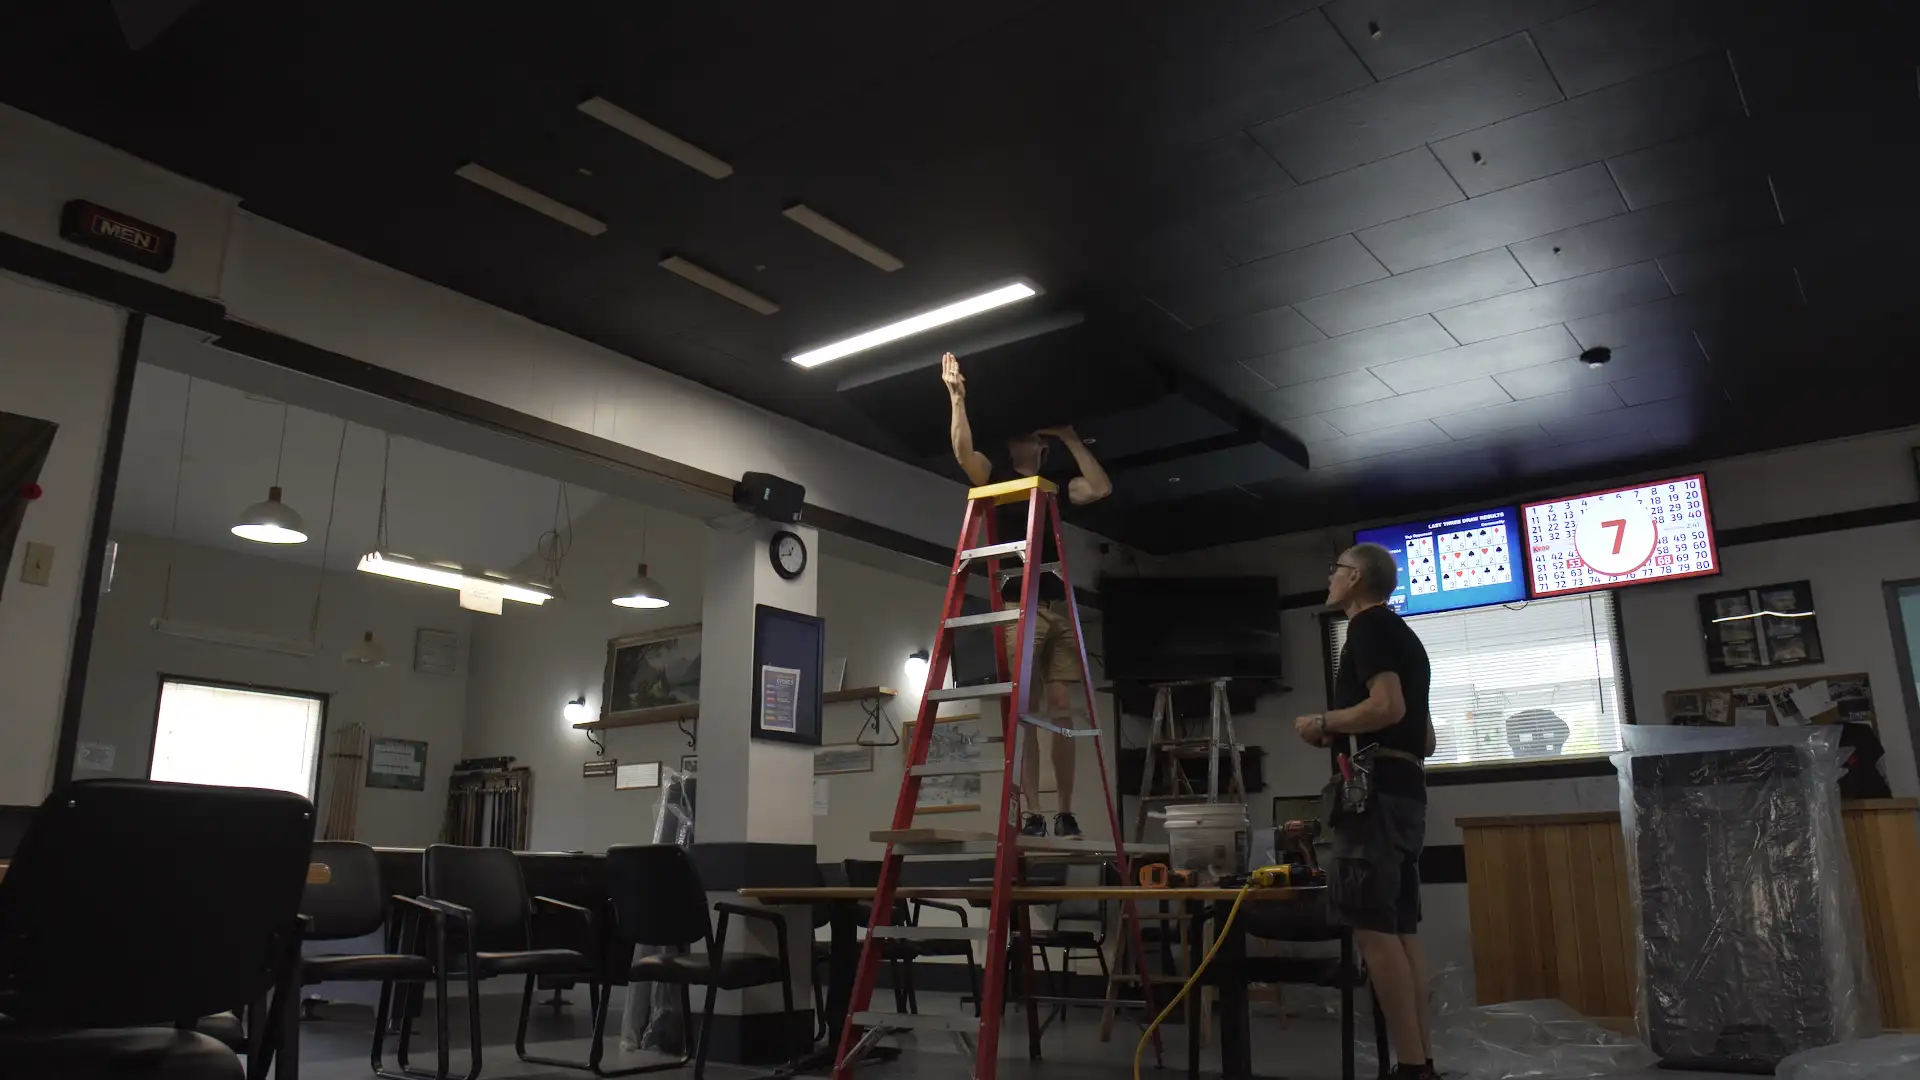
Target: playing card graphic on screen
1608,538
1460,561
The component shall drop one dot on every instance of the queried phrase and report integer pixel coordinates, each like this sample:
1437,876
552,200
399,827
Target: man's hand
1312,729
1065,433
950,374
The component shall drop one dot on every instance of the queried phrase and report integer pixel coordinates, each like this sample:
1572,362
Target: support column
753,819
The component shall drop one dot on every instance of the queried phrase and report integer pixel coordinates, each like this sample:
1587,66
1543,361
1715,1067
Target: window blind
1529,681
237,738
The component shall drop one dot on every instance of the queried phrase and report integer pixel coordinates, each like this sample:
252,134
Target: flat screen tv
1454,561
1166,629
1660,531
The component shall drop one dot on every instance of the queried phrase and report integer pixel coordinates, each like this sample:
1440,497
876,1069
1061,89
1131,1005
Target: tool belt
1350,794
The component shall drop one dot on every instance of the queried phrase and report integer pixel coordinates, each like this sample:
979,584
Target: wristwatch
1322,720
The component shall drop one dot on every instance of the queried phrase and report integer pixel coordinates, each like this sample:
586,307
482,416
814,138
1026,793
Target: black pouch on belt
1350,794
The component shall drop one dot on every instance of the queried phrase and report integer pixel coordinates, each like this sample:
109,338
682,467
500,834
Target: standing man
1379,723
1056,661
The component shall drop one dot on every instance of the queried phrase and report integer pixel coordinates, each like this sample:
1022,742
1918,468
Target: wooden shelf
858,693
673,714
659,714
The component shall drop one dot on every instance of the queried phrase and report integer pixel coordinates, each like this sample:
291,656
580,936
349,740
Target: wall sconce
916,670
576,711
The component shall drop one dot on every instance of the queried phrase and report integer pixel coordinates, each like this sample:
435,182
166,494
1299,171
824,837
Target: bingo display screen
1453,562
1604,539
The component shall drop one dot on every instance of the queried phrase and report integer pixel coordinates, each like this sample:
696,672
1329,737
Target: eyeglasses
1334,568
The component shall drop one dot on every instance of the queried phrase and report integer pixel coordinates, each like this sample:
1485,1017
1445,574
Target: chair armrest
939,905
585,914
728,908
448,907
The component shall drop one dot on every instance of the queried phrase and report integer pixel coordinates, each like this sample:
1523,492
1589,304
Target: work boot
1065,827
1033,825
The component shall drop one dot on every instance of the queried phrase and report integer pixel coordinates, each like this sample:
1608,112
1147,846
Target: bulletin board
1827,699
789,658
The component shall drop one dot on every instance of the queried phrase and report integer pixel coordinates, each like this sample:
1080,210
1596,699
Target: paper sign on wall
481,596
779,698
819,796
94,756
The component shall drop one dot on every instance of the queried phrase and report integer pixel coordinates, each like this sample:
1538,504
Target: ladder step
970,693
958,768
986,618
931,933
1171,799
1044,568
1011,547
965,1025
1064,732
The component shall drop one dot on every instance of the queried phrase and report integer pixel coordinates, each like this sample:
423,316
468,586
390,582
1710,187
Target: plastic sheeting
1747,920
1521,1040
1889,1057
652,1018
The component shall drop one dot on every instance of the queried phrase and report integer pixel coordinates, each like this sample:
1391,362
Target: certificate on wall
779,699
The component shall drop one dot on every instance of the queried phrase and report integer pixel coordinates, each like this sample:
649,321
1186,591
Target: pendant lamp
271,521
367,652
641,591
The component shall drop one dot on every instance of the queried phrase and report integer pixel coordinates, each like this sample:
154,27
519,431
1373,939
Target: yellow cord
1256,881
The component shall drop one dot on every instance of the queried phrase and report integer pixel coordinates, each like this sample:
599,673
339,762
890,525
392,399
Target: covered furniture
132,910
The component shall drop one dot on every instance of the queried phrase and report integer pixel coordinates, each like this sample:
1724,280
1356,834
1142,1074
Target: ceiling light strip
447,576
914,324
660,139
840,236
529,198
713,282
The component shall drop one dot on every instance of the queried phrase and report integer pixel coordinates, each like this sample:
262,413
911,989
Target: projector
768,496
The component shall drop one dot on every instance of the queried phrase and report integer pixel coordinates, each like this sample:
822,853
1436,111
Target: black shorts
1375,878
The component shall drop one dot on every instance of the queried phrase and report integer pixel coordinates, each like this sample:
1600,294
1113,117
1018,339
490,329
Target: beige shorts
1056,657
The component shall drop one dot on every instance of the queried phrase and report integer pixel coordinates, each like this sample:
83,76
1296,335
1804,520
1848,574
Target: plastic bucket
1211,839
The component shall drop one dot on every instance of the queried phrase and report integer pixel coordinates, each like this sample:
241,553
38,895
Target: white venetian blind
225,735
1524,682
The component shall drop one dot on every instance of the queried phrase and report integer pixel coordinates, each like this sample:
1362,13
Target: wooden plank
658,714
1612,935
1582,915
1886,856
1563,879
1482,897
857,693
1540,888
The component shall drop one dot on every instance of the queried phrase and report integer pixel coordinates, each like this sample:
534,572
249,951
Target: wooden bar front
1547,895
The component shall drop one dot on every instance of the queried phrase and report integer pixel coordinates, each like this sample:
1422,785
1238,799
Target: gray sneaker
1033,825
1065,827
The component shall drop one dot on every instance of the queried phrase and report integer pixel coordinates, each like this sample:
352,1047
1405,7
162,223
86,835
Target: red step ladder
978,546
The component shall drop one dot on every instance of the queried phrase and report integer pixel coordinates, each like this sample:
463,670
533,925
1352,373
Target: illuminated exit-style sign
113,233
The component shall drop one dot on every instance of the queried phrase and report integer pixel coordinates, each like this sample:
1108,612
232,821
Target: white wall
59,355
270,596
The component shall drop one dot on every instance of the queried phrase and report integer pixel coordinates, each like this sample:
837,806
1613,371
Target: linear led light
926,320
713,282
529,198
239,639
447,576
660,139
1757,614
840,236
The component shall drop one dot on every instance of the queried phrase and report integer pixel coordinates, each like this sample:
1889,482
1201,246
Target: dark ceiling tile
1176,251
1644,234
1245,336
1503,217
1186,477
1703,161
1230,169
1413,33
1351,352
1490,357
1563,300
1168,422
1582,130
1311,430
1405,295
1656,320
1186,26
1498,80
1659,386
1405,184
1377,442
1319,396
1539,410
1644,358
1760,259
1419,405
1615,42
1669,415
1269,282
1223,88
1229,377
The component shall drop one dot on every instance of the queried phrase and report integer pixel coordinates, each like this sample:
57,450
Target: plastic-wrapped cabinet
1747,920
1889,1057
652,1019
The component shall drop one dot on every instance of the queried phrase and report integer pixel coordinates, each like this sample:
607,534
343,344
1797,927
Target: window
207,733
1520,683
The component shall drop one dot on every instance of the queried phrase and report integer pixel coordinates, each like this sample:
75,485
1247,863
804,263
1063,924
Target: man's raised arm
972,462
1092,484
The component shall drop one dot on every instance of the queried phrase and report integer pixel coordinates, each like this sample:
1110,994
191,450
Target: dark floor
1298,1049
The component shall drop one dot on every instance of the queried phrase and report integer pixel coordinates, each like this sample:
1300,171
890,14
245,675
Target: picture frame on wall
842,758
1765,626
650,670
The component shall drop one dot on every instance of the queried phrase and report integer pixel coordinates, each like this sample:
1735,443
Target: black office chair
132,903
350,905
1079,930
484,895
900,953
657,899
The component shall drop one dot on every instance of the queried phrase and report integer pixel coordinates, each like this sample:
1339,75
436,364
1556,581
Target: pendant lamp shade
271,522
641,591
366,651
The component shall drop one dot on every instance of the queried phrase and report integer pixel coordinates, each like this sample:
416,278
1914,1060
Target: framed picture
397,764
651,669
689,764
1763,627
436,652
842,758
961,741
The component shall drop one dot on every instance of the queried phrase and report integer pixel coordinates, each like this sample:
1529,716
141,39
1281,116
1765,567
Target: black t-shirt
1010,523
1379,641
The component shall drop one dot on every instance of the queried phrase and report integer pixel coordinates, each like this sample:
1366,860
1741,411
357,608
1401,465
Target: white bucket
1210,839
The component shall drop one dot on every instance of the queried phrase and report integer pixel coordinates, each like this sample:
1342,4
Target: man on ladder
1054,656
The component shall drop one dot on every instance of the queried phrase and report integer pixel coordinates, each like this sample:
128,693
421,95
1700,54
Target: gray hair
1379,574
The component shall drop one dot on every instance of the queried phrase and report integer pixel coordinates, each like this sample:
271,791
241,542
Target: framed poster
961,741
651,669
1762,627
789,660
397,764
436,652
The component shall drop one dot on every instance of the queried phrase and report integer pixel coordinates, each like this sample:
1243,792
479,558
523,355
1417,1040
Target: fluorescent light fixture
713,282
660,139
448,576
1757,614
531,199
926,320
837,234
239,639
